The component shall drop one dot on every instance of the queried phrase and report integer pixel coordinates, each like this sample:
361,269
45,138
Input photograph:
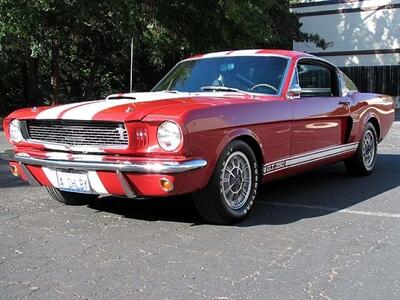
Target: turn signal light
14,170
166,184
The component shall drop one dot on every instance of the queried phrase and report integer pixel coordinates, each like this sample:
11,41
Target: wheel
70,198
231,191
363,162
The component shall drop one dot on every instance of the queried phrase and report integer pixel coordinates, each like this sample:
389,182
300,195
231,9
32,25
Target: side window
315,80
348,85
295,79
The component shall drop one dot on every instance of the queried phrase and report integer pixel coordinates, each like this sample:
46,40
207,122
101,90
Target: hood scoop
120,96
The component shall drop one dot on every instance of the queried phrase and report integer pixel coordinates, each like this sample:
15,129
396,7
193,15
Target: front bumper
87,163
134,176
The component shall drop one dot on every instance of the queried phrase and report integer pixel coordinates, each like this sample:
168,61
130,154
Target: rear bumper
108,175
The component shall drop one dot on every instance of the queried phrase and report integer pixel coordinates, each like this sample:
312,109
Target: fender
360,123
365,119
236,133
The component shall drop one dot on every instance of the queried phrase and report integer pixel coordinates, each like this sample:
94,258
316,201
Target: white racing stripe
243,52
87,112
94,180
51,176
52,113
309,157
96,183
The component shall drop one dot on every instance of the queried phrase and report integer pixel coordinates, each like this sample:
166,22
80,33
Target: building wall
363,39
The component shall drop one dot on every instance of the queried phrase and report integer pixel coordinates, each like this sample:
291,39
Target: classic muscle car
217,126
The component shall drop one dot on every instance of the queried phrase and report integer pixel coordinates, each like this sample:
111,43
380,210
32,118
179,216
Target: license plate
73,182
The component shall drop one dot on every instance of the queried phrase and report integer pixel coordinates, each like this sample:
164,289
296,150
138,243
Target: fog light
14,170
166,184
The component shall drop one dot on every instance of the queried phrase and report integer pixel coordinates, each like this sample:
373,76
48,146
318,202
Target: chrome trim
279,94
125,185
71,130
159,167
31,179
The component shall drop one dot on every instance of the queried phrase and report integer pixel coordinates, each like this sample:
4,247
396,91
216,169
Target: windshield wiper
220,88
224,89
170,91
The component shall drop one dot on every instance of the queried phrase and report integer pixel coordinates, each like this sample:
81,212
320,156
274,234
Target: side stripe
309,157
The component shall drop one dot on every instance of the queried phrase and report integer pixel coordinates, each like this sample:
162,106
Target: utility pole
131,79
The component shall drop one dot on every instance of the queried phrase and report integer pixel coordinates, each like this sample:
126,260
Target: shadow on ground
329,186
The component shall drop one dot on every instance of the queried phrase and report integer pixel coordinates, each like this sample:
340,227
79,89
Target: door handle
344,102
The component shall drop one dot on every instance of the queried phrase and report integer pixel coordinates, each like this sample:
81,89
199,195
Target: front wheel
363,162
230,194
70,198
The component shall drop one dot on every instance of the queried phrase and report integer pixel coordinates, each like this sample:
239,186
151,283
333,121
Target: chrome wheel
236,180
368,149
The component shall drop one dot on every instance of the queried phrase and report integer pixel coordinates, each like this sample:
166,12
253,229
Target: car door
320,114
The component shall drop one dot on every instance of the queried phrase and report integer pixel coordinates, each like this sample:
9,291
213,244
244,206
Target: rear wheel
70,198
230,194
363,162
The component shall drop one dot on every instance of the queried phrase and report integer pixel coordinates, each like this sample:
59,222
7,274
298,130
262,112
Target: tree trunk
55,71
90,84
30,73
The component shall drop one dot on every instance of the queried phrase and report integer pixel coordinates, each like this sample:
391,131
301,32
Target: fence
376,79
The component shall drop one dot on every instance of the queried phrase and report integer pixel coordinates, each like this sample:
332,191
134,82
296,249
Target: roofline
249,52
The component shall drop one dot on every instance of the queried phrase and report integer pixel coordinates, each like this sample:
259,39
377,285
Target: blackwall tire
231,191
363,162
69,198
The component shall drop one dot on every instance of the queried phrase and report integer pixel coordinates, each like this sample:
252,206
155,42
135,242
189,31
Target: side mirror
294,91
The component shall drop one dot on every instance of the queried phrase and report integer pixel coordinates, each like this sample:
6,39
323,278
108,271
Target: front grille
77,133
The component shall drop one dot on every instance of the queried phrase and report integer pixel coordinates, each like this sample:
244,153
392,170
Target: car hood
134,106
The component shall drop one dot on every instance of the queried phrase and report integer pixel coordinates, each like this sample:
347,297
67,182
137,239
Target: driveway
319,235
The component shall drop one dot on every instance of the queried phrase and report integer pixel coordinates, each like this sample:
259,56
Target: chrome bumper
86,162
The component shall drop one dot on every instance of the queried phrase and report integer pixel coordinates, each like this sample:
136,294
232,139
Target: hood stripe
53,112
88,110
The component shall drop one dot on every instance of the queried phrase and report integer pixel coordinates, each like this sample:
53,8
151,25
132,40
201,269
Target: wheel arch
250,138
375,122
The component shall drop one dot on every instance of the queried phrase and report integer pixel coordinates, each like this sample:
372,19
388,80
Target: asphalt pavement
322,234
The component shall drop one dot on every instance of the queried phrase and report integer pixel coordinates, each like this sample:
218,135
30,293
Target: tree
68,50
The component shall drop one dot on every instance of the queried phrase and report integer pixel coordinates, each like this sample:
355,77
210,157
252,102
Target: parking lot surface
317,235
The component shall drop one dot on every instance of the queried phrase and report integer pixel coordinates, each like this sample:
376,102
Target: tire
231,191
363,162
70,198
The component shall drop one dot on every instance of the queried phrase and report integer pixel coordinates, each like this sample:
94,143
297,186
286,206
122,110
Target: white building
363,39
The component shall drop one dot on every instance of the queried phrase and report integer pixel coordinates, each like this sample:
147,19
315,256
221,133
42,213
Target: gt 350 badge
274,166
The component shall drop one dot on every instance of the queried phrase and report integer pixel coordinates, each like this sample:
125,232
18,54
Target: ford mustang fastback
216,126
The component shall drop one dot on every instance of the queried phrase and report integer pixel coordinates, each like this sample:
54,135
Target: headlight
169,136
15,131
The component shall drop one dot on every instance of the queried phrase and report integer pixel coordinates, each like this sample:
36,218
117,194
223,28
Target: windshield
257,74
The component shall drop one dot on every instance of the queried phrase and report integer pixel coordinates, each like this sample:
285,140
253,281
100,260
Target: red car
217,125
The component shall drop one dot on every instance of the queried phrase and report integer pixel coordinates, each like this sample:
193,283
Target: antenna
130,81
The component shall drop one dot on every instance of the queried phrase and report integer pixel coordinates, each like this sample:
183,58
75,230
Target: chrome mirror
294,91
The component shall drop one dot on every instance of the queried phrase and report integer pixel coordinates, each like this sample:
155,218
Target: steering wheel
264,85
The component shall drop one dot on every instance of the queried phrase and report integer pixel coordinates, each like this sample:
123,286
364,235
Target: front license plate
73,182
